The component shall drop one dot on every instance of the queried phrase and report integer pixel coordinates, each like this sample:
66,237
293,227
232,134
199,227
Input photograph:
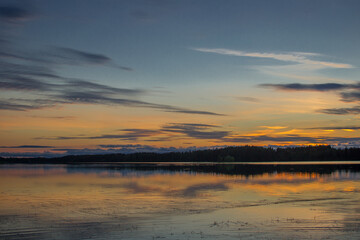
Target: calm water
150,201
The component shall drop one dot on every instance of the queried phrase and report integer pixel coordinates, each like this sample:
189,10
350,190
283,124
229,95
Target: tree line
227,154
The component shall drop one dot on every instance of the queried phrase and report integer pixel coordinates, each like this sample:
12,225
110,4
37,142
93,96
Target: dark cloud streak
70,56
198,131
350,96
264,138
321,87
342,111
335,128
27,146
7,105
192,130
127,134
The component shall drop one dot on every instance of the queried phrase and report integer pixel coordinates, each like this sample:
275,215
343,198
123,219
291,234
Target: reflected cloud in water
124,201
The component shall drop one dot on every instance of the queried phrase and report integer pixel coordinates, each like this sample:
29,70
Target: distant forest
228,154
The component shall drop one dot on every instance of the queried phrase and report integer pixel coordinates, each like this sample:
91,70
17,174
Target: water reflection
222,202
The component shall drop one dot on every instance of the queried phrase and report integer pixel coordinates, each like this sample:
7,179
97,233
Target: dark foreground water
177,201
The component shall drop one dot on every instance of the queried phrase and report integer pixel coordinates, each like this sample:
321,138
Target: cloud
341,111
70,91
22,83
344,140
345,95
290,138
289,57
121,145
91,58
198,131
62,55
12,13
350,96
187,111
82,84
127,134
91,97
55,117
34,72
29,76
273,127
18,106
30,154
266,138
192,130
29,70
27,146
321,87
336,128
125,149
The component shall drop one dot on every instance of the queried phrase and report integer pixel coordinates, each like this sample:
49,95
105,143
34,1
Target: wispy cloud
91,97
70,56
55,117
192,130
214,133
336,128
350,96
342,111
285,139
348,93
24,104
48,89
321,87
101,98
27,146
198,131
126,134
267,138
274,127
35,73
290,57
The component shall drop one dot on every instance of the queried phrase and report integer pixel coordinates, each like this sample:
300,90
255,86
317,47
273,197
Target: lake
180,201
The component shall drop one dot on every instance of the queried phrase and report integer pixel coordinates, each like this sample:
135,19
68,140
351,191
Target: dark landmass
228,154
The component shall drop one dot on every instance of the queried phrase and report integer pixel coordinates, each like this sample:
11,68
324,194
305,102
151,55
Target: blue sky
217,72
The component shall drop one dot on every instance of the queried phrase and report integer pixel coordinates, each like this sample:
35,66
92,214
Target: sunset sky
80,77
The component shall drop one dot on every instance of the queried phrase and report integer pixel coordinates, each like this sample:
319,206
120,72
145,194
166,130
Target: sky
89,77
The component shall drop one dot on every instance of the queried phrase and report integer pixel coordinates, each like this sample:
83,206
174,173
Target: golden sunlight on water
74,202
